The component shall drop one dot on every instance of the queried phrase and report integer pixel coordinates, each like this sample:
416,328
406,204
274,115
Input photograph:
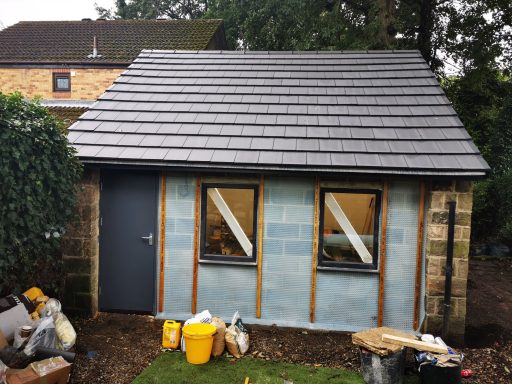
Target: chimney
94,54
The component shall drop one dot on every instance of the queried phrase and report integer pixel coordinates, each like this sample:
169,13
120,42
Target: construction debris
371,340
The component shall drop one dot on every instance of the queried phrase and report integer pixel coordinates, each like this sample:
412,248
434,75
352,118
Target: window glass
349,229
61,82
229,222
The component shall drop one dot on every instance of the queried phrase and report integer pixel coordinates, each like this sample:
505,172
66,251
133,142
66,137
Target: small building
303,189
69,64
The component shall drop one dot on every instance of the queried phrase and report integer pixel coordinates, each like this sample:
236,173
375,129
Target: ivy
38,177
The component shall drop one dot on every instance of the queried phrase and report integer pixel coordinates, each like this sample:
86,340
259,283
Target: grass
172,367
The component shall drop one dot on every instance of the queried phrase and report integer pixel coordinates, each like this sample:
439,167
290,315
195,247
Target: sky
13,11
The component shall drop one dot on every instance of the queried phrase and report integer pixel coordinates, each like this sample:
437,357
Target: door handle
148,238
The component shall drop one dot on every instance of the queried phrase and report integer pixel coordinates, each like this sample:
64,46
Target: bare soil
115,348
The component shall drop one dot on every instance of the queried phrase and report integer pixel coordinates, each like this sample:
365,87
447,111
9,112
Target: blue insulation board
179,244
401,240
224,289
287,249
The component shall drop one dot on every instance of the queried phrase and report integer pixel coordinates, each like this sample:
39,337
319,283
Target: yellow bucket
171,334
199,342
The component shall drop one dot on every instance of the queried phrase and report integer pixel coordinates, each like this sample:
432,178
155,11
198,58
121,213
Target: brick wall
86,83
437,232
80,248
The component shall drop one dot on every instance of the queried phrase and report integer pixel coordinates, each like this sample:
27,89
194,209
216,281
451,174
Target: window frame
225,259
56,75
348,265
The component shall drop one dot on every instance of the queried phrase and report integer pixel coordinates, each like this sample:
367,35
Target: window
61,82
228,222
349,226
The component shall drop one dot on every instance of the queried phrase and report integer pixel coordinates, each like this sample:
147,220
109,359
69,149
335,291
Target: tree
154,9
39,173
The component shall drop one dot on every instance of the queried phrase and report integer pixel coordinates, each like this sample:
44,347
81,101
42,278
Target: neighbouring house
302,189
69,64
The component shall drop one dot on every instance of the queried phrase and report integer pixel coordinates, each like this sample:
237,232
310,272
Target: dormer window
61,82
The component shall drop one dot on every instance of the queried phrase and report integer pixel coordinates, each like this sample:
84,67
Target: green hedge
38,173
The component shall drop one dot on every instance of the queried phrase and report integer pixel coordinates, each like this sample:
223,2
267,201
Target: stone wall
437,231
80,249
86,83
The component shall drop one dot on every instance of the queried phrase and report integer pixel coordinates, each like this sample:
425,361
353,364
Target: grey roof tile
271,157
367,160
294,158
247,157
343,159
262,143
152,141
196,142
318,158
174,141
156,153
177,154
329,110
200,155
240,143
285,144
223,156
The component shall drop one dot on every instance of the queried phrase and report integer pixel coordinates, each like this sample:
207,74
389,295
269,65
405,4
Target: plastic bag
43,336
3,369
65,331
52,307
202,317
237,337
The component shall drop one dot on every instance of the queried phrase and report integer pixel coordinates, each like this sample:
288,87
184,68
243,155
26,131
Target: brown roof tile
119,41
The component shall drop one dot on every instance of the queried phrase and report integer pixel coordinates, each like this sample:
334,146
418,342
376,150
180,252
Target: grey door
128,209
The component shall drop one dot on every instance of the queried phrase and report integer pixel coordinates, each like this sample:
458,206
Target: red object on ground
466,373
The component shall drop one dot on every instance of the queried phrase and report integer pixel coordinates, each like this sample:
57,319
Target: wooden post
419,256
196,244
162,244
382,261
260,247
316,224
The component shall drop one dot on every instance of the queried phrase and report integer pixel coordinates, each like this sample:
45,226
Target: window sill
346,269
225,262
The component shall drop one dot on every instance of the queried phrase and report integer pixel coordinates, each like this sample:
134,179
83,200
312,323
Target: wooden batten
197,217
261,201
162,244
316,224
419,256
382,261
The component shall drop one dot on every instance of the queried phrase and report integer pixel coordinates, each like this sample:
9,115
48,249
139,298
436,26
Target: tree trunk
425,30
386,12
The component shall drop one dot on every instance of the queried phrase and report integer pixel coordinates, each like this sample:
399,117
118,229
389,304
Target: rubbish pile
210,339
383,357
35,337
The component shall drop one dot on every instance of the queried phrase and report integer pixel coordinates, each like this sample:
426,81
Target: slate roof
360,112
118,41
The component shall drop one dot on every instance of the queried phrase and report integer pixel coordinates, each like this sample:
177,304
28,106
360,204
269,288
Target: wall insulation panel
224,289
179,245
401,241
287,249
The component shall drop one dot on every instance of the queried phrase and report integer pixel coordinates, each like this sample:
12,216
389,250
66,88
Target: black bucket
382,369
433,374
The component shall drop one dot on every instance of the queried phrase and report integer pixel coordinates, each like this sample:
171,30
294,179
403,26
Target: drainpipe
449,269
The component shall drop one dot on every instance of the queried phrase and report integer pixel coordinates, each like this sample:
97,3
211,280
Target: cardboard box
58,372
3,341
